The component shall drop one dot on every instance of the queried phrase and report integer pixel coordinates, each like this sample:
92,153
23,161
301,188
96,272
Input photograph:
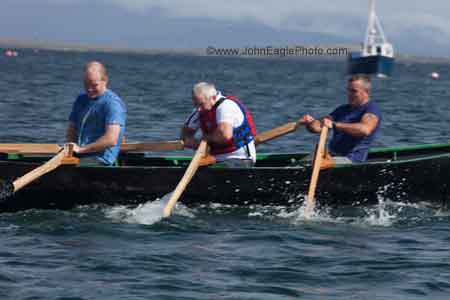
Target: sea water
392,250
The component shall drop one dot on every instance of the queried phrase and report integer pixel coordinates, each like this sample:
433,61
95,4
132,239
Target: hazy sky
416,27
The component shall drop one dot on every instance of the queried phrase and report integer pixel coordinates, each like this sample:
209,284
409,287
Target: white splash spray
146,214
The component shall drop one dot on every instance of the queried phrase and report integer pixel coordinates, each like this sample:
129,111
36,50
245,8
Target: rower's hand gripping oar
188,174
320,152
63,157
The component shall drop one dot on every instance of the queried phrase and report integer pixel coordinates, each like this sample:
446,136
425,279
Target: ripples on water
218,251
393,250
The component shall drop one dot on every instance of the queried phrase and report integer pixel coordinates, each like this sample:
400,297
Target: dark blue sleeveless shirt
342,144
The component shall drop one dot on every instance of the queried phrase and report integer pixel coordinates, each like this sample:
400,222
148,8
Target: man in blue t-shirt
97,121
355,125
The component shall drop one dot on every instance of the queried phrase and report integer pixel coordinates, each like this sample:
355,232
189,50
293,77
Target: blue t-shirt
355,148
91,116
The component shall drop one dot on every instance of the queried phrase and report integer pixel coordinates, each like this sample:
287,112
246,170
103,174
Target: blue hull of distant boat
371,65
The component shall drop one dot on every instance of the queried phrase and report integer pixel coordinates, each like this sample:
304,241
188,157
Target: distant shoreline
15,44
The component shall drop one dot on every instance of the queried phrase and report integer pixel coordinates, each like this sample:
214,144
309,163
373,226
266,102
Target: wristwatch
333,123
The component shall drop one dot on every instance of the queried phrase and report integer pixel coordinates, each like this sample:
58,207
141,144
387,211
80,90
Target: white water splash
385,213
299,215
380,215
146,214
381,218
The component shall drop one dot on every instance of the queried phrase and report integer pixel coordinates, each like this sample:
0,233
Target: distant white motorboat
377,55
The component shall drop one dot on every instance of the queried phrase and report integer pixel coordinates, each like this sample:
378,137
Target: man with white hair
97,120
355,124
226,124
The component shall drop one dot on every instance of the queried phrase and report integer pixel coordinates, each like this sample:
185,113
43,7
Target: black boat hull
410,180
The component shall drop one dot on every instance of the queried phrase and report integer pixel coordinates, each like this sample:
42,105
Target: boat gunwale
301,164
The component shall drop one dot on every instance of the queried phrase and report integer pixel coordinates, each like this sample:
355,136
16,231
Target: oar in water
188,174
320,151
202,159
63,157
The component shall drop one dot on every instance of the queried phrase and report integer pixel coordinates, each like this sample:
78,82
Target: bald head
96,67
95,79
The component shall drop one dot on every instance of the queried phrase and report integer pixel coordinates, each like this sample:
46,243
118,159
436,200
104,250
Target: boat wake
146,214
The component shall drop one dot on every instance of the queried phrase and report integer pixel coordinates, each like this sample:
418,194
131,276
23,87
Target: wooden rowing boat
403,173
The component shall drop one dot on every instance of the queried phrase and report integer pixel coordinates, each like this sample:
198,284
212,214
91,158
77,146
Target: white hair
204,89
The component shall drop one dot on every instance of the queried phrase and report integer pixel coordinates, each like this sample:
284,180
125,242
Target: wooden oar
30,148
153,146
320,151
63,157
276,132
261,138
126,147
188,174
143,146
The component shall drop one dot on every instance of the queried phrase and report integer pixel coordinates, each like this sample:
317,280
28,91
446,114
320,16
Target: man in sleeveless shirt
355,124
225,123
97,121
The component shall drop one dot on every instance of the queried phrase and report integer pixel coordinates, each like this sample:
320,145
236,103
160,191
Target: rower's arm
188,137
71,134
109,139
362,129
222,134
